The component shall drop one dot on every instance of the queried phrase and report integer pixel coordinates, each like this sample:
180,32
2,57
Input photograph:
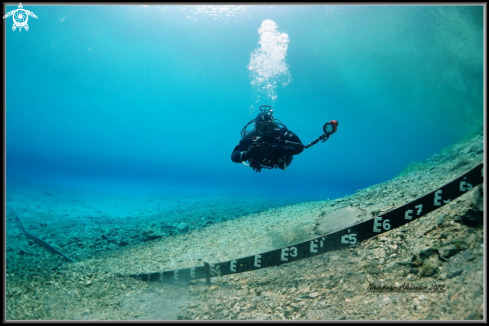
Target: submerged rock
474,215
182,227
340,219
447,251
430,266
152,237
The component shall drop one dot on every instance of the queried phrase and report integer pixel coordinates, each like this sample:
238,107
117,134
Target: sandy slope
333,286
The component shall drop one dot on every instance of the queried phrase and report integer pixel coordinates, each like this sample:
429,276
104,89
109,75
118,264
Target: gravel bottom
435,252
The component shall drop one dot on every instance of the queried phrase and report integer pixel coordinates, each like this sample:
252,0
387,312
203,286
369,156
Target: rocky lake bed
429,269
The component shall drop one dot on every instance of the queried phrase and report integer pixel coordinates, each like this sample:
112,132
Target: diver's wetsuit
271,150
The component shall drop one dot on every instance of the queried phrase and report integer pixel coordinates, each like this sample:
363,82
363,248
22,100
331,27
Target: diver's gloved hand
250,152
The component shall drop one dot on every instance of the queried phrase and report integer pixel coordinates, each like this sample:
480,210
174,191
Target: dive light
329,128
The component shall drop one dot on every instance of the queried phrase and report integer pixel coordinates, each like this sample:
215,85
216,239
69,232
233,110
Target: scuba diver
267,143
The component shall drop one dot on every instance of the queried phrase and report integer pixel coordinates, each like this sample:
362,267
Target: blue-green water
141,98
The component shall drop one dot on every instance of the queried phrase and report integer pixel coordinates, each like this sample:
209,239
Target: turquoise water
131,99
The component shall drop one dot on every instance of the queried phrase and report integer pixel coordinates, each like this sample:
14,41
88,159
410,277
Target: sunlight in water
217,11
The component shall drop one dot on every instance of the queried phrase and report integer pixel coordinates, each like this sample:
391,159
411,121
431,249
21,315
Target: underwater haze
140,99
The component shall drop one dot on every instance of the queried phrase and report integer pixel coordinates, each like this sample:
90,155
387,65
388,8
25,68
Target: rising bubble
267,64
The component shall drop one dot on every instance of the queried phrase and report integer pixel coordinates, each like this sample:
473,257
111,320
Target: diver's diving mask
265,126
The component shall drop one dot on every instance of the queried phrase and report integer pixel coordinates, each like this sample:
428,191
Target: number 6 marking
385,225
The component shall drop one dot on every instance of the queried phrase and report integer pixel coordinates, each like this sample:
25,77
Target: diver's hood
264,117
